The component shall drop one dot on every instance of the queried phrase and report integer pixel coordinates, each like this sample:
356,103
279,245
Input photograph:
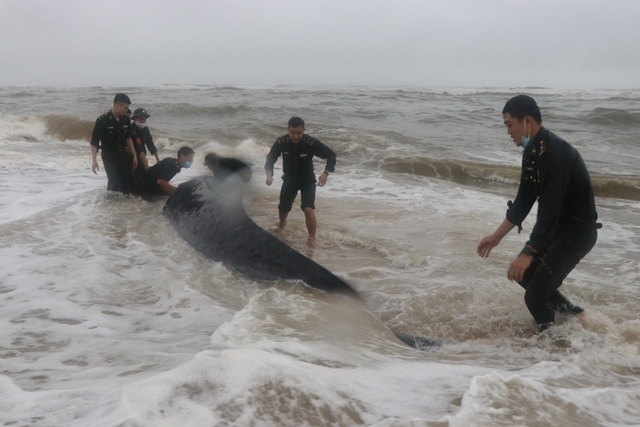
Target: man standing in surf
297,150
554,175
113,130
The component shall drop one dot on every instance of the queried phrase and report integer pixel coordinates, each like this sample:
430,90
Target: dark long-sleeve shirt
111,132
297,159
554,174
142,140
165,169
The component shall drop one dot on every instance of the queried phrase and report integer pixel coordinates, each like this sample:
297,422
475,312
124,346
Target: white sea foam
110,319
15,129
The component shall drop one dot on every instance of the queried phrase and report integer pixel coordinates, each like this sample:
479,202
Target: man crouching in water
155,180
554,174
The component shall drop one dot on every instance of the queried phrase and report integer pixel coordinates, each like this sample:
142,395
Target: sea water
109,318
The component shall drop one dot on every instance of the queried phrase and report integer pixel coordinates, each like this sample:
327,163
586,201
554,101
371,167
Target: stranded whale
209,215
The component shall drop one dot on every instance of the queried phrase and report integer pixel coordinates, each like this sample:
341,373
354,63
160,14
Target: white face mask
141,125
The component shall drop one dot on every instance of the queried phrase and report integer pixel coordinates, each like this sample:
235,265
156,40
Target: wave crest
613,117
454,170
68,128
468,173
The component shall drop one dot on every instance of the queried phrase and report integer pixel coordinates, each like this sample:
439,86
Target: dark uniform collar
288,139
111,116
538,145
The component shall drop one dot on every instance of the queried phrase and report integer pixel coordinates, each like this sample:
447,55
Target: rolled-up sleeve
95,135
325,152
519,209
272,157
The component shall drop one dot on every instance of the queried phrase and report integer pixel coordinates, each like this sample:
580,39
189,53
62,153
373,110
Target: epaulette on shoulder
102,116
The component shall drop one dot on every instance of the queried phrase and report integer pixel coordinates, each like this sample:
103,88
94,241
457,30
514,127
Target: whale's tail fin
417,342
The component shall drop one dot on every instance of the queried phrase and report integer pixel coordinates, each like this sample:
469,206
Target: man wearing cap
113,130
142,140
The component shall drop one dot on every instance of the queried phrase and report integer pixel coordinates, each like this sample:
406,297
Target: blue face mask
187,164
526,140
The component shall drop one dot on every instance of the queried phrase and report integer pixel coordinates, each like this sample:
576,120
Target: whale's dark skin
209,215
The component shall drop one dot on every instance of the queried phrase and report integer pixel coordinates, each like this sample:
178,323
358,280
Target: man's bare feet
282,224
582,318
312,242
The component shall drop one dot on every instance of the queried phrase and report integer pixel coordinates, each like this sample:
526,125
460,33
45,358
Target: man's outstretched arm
165,186
492,240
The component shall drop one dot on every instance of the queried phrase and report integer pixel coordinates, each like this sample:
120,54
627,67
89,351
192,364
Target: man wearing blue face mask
155,181
554,175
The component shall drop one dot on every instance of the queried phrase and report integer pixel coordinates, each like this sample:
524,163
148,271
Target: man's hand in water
491,241
322,180
486,244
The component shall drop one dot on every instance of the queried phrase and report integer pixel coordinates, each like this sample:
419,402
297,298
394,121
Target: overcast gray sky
500,43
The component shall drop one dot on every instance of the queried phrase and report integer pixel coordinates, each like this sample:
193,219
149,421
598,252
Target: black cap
140,112
122,98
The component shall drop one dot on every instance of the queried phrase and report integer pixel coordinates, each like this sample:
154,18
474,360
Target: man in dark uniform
297,150
142,140
155,181
554,175
113,129
224,167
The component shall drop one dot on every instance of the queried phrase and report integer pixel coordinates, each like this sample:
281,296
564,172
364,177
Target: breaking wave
68,128
469,173
613,117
